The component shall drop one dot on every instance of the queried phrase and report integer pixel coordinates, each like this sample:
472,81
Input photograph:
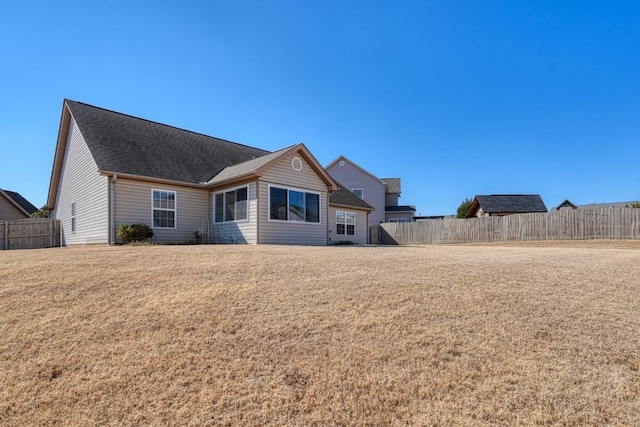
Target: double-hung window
293,205
232,205
358,192
345,223
164,209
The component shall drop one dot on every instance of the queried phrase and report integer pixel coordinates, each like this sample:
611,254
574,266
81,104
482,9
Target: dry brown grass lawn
536,334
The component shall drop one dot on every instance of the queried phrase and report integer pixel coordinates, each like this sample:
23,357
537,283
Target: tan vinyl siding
361,229
9,211
283,175
81,183
244,231
133,205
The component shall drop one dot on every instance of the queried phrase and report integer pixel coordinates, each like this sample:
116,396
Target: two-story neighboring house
362,183
393,212
381,194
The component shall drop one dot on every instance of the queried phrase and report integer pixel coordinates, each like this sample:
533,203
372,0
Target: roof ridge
164,124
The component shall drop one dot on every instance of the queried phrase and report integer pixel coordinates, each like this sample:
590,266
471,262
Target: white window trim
175,208
74,217
355,220
361,190
287,221
224,200
398,220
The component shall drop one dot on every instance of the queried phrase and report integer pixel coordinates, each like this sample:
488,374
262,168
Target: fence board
576,224
29,233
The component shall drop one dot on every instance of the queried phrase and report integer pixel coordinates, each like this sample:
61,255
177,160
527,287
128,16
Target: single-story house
111,169
14,206
505,204
611,205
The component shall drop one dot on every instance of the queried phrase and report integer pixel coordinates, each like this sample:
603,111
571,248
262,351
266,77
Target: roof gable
125,144
566,204
354,164
255,167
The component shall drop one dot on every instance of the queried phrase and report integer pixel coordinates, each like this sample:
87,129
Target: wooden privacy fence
575,224
29,233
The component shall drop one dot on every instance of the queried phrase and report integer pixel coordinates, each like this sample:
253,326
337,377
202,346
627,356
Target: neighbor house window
232,205
164,209
358,192
345,223
73,217
293,205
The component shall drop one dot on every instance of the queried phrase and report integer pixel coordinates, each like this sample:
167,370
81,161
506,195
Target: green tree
635,204
464,208
40,213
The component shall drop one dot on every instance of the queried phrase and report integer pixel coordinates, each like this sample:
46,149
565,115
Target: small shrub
135,232
635,205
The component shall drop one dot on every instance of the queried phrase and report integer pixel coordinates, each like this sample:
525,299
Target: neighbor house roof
345,197
400,208
566,204
127,144
507,203
19,201
392,185
605,205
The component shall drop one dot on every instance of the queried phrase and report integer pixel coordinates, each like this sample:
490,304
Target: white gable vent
296,164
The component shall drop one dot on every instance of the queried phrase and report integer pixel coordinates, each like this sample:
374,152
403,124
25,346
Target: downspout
112,209
258,198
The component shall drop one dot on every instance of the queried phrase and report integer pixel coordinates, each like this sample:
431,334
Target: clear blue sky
455,97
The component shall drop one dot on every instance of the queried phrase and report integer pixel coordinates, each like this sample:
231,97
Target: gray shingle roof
400,208
20,201
605,205
127,144
345,197
511,203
